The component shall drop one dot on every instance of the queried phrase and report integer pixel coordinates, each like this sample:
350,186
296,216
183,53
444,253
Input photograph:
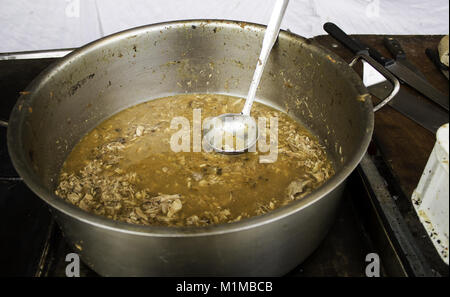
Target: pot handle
13,178
383,71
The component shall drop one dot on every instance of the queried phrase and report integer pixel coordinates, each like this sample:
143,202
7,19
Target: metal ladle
239,130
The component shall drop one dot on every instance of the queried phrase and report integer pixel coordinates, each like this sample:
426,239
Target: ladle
233,133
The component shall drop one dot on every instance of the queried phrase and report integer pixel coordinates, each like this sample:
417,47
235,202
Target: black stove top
31,243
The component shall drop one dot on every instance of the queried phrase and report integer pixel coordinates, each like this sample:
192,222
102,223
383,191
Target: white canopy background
49,24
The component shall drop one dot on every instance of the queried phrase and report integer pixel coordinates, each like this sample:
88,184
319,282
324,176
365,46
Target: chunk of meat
296,189
140,130
174,207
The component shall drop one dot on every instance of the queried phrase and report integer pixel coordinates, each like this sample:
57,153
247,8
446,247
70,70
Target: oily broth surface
125,170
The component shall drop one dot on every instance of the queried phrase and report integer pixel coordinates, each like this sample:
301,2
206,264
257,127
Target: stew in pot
125,169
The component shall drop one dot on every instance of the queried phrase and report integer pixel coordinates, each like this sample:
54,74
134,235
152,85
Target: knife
399,55
399,70
423,112
433,55
426,114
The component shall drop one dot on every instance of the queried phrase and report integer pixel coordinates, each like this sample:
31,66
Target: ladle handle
270,37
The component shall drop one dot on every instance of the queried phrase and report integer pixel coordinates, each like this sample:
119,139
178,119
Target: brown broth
125,170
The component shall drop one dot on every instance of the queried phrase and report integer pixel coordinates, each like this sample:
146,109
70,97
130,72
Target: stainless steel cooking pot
67,100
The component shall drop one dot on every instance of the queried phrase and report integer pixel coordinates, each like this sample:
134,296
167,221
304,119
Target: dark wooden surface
405,145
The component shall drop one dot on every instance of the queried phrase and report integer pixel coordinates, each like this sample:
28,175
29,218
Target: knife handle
354,45
433,55
394,48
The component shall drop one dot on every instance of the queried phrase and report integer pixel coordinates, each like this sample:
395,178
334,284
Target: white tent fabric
49,24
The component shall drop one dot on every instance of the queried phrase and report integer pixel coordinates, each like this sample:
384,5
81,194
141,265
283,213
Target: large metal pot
68,99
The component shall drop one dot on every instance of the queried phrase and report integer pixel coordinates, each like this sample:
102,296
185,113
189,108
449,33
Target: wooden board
405,145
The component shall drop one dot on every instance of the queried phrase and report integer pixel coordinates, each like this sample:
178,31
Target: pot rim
31,179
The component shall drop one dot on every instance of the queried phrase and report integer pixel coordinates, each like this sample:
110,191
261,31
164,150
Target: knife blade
419,84
425,113
433,55
399,70
399,55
